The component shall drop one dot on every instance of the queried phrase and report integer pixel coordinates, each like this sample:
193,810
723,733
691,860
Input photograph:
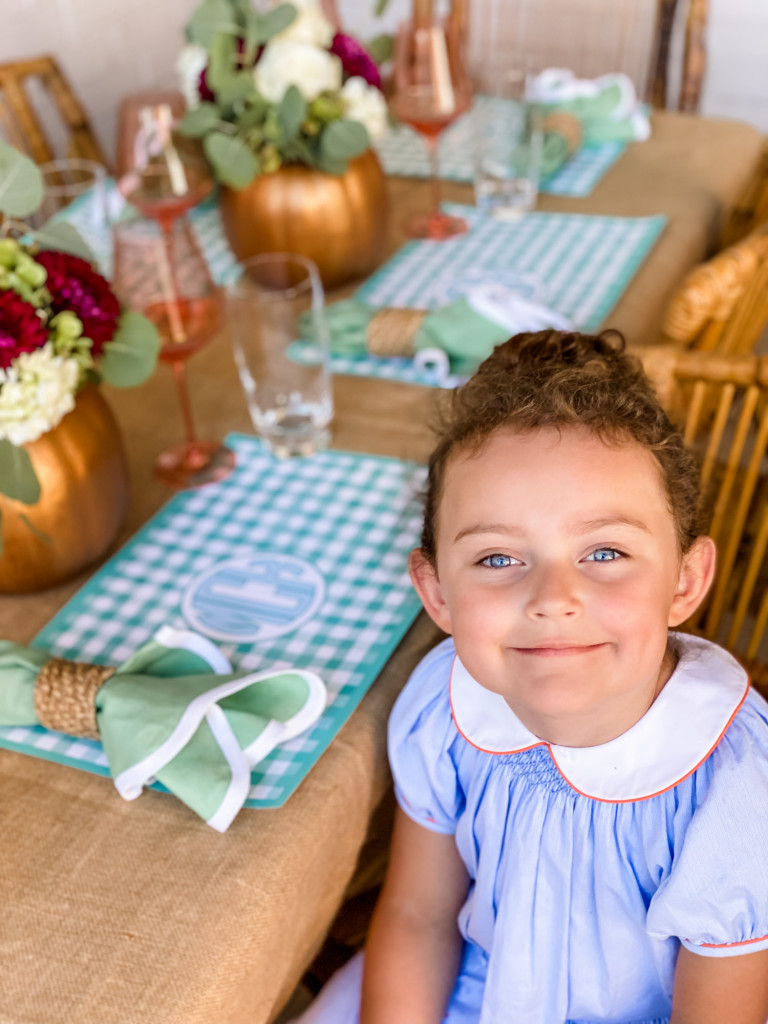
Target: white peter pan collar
680,729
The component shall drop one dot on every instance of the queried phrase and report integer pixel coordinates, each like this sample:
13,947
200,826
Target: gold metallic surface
339,221
83,474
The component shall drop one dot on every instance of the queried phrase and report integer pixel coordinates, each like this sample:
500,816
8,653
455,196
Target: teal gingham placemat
353,518
403,152
582,263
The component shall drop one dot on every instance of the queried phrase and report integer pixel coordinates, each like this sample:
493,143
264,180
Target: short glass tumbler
281,345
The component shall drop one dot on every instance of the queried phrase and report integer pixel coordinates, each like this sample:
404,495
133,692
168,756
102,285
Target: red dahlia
355,59
75,285
21,329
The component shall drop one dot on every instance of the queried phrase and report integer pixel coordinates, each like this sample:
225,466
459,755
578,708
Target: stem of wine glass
178,366
434,174
170,286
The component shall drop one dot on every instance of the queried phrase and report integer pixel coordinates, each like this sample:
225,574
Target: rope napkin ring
566,125
392,332
65,693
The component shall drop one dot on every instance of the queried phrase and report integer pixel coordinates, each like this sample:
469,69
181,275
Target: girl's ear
424,579
697,571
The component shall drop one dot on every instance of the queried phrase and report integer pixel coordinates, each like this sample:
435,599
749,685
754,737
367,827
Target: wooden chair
734,473
593,37
722,306
752,208
39,109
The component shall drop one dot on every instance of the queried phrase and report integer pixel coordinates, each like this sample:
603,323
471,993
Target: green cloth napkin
175,712
466,336
607,106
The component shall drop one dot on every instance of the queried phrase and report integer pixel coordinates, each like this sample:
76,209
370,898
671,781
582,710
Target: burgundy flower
21,329
75,285
202,87
355,59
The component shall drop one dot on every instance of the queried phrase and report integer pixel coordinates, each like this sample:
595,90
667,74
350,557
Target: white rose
309,26
189,65
285,63
365,103
36,392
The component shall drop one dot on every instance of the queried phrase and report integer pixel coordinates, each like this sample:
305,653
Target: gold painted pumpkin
338,221
83,474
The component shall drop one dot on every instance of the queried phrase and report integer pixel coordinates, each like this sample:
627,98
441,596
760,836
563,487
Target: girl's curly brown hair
555,379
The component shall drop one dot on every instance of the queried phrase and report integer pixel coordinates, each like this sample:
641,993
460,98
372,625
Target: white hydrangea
365,103
36,392
309,26
189,66
285,62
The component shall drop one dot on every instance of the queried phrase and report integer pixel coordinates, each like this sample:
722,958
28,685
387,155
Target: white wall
110,47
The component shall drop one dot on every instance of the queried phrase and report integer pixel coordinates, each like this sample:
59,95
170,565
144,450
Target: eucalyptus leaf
35,529
291,112
232,160
274,21
252,35
130,357
381,48
209,18
331,165
381,6
238,86
221,60
18,479
200,120
21,184
63,237
342,140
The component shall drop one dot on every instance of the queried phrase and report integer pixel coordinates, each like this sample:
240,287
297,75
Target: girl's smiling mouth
559,650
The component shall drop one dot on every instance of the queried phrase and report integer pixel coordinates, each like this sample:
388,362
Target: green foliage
343,139
242,133
210,18
17,475
21,184
63,237
199,121
130,357
381,48
381,6
291,112
231,158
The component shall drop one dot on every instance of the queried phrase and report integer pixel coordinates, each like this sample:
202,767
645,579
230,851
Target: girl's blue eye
498,561
604,555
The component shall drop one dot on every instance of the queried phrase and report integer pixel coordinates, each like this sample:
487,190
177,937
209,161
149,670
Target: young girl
583,796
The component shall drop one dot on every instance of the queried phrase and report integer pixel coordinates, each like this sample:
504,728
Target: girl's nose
554,593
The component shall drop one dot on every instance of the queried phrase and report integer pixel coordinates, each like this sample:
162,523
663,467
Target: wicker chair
41,116
722,306
734,471
593,37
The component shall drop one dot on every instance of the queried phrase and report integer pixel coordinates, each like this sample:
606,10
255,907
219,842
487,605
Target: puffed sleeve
421,733
715,898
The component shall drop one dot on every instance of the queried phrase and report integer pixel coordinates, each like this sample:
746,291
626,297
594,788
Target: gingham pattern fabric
402,152
354,518
581,264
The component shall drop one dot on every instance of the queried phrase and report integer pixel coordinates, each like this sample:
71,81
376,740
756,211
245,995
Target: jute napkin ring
392,332
65,693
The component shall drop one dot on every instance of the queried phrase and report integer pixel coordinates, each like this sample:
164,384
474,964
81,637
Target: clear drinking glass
508,144
67,180
281,346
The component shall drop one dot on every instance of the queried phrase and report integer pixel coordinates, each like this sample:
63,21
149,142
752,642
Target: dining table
115,912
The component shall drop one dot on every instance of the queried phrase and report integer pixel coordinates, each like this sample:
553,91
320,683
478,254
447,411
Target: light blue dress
589,866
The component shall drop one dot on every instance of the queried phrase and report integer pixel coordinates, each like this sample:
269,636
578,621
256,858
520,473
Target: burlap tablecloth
118,913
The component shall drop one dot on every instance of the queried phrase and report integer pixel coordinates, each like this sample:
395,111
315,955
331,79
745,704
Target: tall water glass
508,144
281,345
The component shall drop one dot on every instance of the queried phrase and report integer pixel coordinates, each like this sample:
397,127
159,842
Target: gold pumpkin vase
338,221
83,474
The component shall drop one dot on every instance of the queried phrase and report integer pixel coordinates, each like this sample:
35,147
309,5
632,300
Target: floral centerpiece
61,327
276,87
